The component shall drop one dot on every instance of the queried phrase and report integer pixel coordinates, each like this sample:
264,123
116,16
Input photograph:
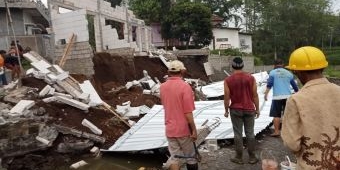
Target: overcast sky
335,7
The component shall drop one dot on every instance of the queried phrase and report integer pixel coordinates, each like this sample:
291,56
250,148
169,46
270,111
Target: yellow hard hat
307,58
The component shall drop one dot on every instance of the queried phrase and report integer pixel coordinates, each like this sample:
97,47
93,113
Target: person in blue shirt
281,80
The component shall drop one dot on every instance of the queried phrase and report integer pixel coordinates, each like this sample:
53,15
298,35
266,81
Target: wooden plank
66,51
108,107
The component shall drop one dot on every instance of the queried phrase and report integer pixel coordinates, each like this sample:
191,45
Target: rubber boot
251,151
192,166
239,151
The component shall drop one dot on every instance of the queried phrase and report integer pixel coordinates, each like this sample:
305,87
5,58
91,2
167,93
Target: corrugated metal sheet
149,132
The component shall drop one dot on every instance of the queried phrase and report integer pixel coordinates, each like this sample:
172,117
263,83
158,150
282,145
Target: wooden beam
67,50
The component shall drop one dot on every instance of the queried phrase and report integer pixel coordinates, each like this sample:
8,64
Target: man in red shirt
241,99
178,102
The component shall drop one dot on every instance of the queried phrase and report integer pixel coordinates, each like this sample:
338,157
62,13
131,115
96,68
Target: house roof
149,132
245,33
228,28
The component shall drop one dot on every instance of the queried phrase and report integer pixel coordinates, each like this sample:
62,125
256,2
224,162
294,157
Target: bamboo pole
67,50
15,40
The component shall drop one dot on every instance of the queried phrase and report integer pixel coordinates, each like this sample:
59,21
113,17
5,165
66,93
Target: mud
111,73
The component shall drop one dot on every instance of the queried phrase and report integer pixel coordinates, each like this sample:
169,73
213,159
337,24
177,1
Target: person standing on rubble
280,80
242,101
12,63
310,126
178,101
2,68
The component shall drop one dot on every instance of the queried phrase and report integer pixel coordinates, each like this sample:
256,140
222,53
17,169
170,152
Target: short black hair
237,63
278,61
3,52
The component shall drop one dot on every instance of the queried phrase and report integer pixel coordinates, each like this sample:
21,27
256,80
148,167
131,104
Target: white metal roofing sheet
149,132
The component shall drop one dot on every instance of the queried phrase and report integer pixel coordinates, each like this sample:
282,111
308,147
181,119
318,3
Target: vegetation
115,2
278,26
183,21
195,26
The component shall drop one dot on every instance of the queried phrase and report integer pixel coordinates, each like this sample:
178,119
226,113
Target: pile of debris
55,113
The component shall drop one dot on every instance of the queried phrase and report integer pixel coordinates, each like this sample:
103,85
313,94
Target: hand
226,114
257,114
193,135
265,97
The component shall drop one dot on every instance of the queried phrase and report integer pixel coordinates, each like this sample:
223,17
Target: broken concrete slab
87,87
49,99
44,141
67,130
63,75
73,103
78,164
71,146
62,95
45,91
2,121
22,106
16,95
69,88
91,126
42,66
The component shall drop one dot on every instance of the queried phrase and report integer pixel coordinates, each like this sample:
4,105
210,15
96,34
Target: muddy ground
111,73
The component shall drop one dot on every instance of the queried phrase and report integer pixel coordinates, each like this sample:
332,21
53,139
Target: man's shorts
182,146
277,108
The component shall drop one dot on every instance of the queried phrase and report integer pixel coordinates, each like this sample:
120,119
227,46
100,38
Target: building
29,18
95,21
225,37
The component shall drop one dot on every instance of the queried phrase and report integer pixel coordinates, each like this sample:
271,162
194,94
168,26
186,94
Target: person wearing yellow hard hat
311,120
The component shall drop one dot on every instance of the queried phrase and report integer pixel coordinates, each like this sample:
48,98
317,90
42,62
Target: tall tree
228,10
287,24
115,2
191,21
148,10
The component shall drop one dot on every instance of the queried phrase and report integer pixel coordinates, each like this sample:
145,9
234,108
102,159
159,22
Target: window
242,42
221,39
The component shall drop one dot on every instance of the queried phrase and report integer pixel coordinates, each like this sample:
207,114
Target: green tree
283,25
115,2
225,9
191,21
148,10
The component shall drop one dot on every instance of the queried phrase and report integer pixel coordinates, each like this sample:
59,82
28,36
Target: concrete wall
72,22
18,138
18,22
157,40
221,63
231,36
37,43
105,37
246,43
79,60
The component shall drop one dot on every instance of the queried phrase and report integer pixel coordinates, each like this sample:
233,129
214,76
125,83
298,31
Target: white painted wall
246,43
72,22
105,36
231,37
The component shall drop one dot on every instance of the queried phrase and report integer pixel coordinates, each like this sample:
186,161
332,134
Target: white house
225,37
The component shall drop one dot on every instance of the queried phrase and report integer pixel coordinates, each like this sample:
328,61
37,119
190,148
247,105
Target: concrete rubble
60,89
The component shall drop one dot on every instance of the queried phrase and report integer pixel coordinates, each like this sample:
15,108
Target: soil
111,73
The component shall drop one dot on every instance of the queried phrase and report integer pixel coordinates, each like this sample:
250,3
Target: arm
226,99
294,85
192,125
270,83
256,99
291,126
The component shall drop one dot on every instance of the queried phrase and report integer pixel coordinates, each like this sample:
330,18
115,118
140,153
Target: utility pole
15,40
